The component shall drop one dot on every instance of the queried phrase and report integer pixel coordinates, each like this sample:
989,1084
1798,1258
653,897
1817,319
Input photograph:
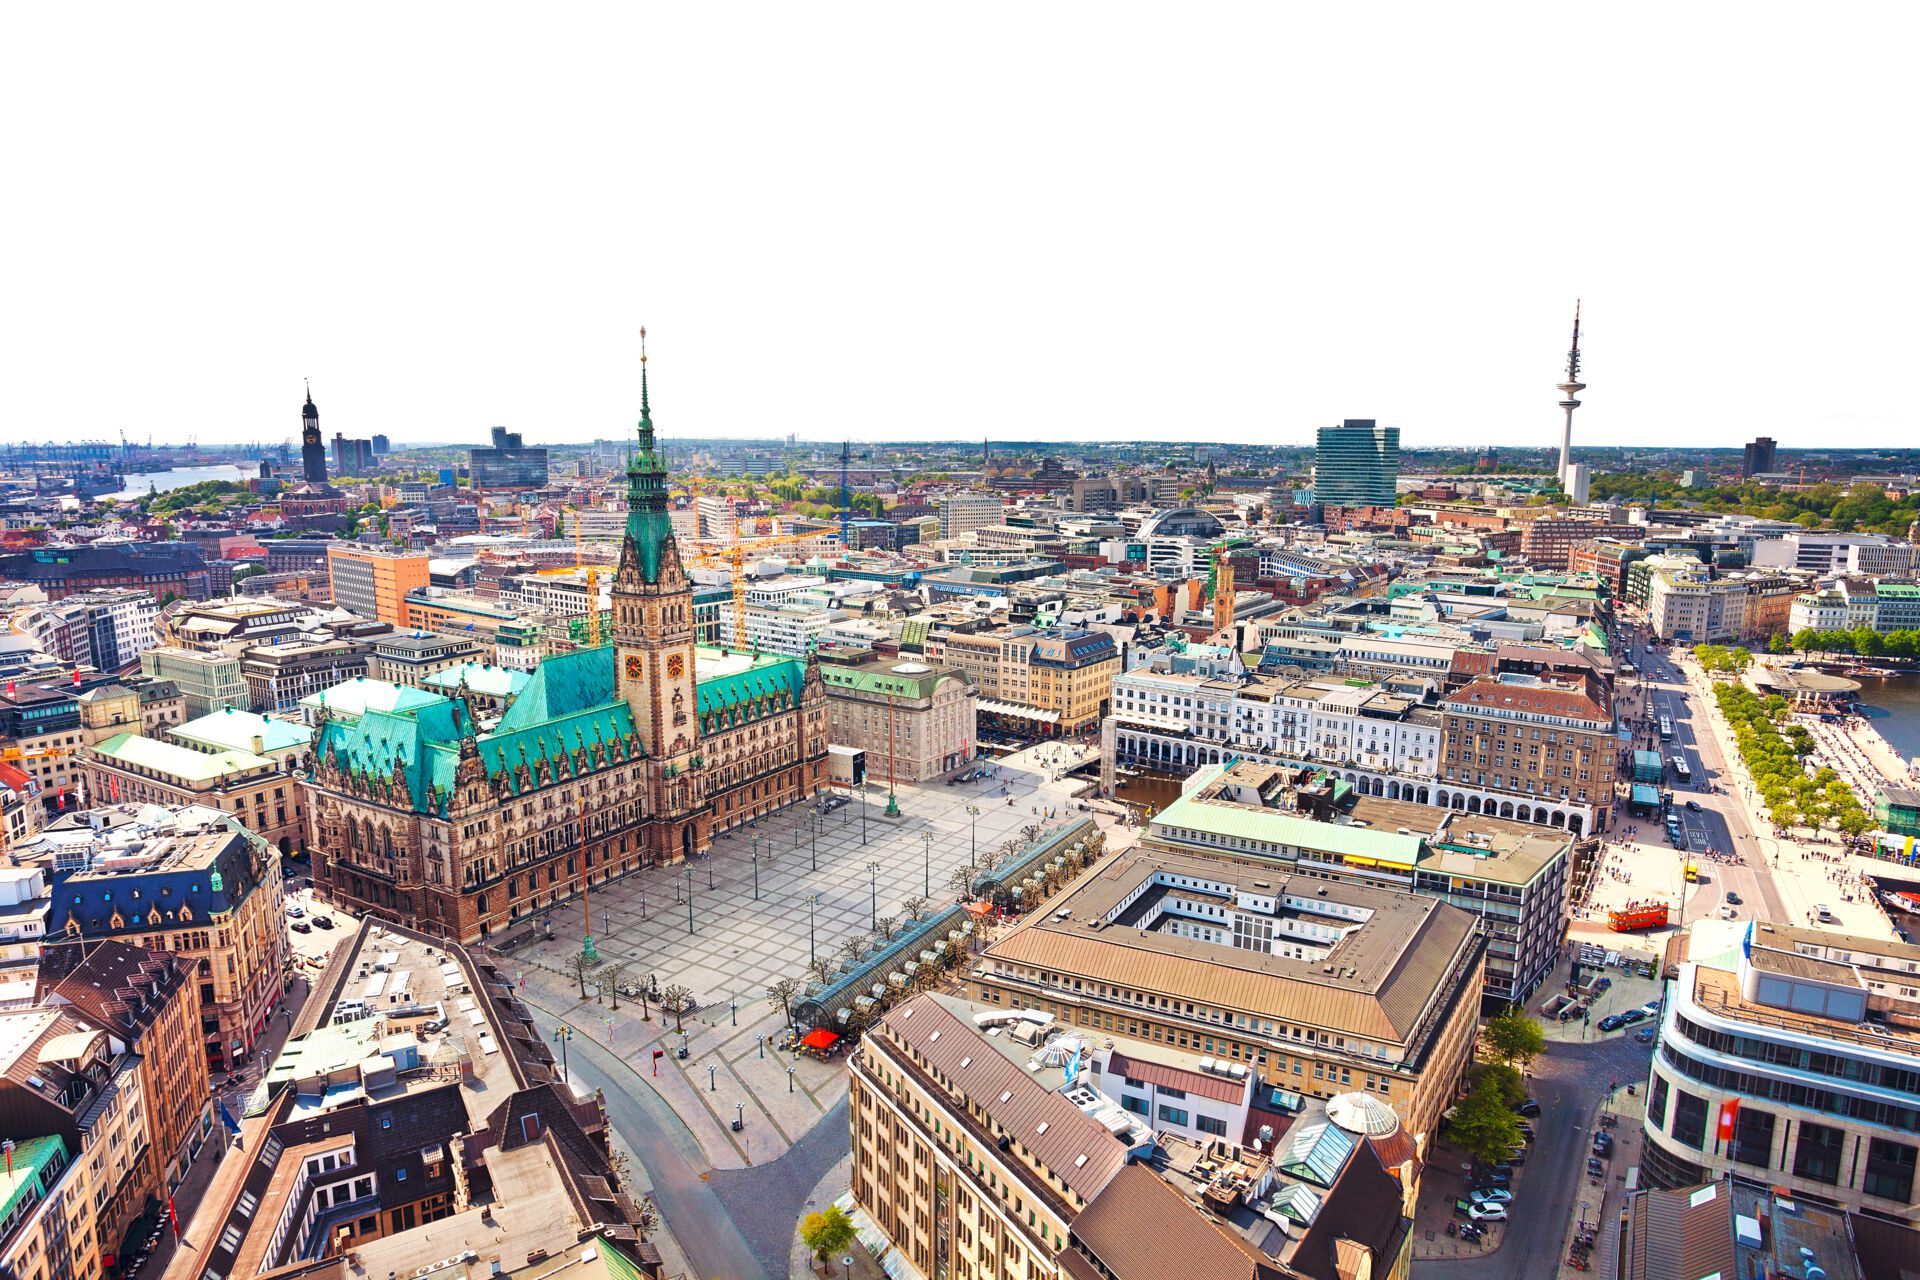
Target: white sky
895,221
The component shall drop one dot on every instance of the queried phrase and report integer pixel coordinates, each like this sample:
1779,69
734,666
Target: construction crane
735,558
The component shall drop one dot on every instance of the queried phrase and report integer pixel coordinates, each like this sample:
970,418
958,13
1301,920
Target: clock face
676,665
636,666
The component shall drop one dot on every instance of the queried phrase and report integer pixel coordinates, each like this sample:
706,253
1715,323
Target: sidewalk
1602,1199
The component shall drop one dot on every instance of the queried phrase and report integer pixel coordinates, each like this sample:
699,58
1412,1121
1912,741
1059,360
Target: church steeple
649,534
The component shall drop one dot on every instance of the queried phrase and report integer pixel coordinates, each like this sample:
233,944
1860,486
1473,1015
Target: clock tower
653,648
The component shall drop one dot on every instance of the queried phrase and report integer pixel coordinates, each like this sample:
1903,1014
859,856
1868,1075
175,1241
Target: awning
819,1038
988,706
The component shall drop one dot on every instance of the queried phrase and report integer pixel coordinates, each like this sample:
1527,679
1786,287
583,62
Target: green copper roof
360,695
768,684
1236,822
30,1156
649,528
888,681
561,686
181,762
236,730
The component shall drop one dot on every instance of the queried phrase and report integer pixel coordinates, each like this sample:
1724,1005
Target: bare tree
676,1000
610,981
822,970
781,992
850,952
915,907
961,882
884,927
580,966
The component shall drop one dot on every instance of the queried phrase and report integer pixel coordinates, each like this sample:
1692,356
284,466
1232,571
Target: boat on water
1902,900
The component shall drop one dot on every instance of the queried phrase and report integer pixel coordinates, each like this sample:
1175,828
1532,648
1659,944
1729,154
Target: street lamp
973,834
561,1035
814,821
689,901
863,811
926,863
756,868
873,890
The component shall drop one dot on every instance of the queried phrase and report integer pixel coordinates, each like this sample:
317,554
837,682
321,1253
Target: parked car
1643,1036
301,926
1493,1196
1602,1143
1651,1008
1611,1022
1596,1169
324,922
1518,1155
1694,805
295,911
1528,1108
1488,1212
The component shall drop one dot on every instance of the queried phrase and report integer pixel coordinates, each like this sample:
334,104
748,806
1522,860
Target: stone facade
611,759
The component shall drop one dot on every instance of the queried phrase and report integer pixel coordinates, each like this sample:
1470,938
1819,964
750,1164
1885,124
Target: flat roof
1375,981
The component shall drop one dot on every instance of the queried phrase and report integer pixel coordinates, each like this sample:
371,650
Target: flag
76,677
113,784
173,1219
1073,1063
226,1118
1729,1110
1746,941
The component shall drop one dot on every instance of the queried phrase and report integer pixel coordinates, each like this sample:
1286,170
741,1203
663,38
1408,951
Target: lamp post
926,863
813,900
689,901
733,1011
813,829
561,1035
973,834
756,868
873,890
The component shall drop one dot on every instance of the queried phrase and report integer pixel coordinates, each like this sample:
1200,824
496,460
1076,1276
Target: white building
1866,553
105,630
962,512
789,631
1792,1061
1179,708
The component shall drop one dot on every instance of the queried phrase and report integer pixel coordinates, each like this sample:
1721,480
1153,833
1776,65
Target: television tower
1569,389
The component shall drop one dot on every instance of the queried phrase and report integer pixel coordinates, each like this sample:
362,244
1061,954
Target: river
139,486
1893,708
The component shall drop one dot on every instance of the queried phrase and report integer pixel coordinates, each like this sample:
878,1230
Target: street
1552,1190
697,1204
1722,822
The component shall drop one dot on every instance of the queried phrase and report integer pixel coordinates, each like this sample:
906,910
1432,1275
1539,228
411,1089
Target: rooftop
137,751
232,730
1390,954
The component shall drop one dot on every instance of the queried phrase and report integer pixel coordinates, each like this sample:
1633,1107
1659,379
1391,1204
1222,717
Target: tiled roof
1139,1228
1544,699
1059,1135
1680,1234
1162,1076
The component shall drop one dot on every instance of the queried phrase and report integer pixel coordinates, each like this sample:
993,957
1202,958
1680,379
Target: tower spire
646,408
1569,393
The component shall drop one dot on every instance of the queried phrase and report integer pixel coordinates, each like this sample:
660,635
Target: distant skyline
1073,222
